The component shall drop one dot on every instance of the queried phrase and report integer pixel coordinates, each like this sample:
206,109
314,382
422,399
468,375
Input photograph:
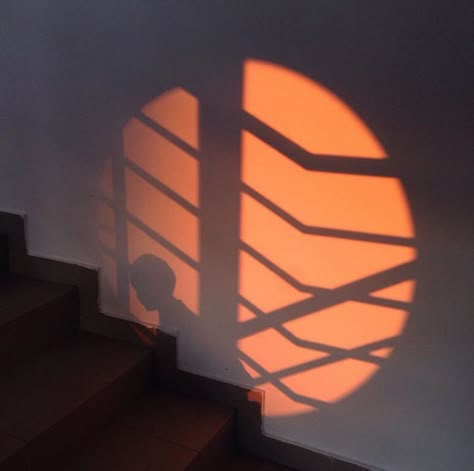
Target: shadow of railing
319,298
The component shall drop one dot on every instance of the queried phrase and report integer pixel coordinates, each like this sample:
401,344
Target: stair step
33,315
120,448
161,431
11,459
242,462
54,401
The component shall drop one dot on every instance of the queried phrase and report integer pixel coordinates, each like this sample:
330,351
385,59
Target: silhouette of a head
153,280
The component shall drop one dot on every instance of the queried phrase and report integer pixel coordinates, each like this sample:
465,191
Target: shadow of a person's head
154,281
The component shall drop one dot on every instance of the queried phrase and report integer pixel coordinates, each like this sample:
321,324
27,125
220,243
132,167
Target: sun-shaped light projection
325,246
321,225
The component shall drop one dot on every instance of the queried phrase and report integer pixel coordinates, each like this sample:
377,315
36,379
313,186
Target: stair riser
213,455
10,460
39,329
52,446
15,463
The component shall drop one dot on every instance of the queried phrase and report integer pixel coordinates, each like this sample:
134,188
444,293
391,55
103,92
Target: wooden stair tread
241,462
20,295
56,382
160,431
34,315
76,401
178,419
9,446
121,448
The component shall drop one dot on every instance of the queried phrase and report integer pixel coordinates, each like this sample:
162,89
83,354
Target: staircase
77,400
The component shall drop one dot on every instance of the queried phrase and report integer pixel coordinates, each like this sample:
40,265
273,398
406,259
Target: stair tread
19,295
119,447
8,446
57,381
239,462
178,419
159,431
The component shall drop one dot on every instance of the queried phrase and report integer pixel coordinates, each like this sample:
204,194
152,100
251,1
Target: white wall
72,76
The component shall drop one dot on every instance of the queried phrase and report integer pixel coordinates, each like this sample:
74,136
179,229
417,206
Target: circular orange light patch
326,237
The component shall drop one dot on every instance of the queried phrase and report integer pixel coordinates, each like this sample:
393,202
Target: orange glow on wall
314,260
288,354
158,175
382,352
157,156
332,382
187,277
349,325
324,253
306,235
399,292
161,214
360,203
268,282
306,112
178,112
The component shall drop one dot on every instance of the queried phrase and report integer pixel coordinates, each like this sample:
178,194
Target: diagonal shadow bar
309,161
384,302
327,299
107,250
163,241
330,349
155,236
322,231
280,272
162,187
279,385
332,358
147,121
365,298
